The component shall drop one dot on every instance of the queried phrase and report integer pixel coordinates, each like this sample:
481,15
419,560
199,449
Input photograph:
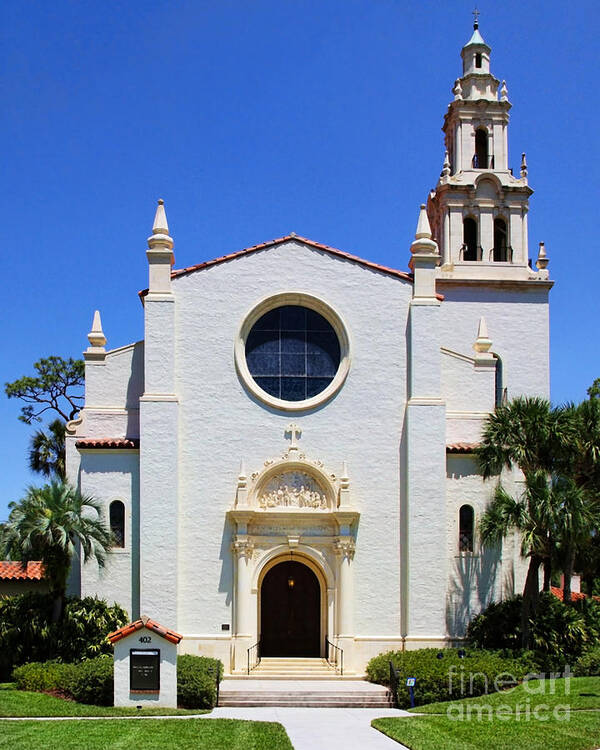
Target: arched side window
466,528
480,160
470,239
117,523
500,243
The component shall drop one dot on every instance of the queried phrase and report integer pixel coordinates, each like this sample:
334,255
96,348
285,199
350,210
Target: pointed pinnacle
160,225
482,342
423,227
96,336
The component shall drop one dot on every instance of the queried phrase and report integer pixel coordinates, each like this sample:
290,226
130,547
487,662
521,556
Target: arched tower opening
481,158
470,239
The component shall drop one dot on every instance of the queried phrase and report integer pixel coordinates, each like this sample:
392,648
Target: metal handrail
255,656
394,681
338,657
217,680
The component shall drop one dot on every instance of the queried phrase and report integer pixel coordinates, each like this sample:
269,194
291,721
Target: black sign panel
144,670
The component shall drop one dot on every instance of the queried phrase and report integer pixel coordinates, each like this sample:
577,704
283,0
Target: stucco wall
107,476
517,320
220,423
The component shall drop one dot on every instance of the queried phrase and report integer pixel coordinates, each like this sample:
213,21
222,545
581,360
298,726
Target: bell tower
478,210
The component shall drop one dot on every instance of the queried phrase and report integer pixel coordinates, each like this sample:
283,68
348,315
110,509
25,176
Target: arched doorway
290,611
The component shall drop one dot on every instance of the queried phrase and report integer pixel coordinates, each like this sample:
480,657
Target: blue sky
256,118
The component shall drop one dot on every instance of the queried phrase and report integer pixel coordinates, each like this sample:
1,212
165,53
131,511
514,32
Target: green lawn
21,703
150,734
506,721
584,692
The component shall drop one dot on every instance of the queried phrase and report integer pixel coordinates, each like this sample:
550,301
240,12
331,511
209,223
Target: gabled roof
144,622
291,238
17,571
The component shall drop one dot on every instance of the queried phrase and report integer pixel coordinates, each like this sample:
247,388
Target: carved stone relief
293,489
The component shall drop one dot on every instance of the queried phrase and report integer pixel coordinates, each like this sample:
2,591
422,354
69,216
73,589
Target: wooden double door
290,611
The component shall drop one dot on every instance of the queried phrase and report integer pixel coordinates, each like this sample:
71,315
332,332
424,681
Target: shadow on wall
472,588
135,389
226,557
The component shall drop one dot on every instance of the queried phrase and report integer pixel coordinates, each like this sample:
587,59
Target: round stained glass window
292,353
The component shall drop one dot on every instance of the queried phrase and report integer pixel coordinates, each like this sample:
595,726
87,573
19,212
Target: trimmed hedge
450,677
45,676
92,681
197,681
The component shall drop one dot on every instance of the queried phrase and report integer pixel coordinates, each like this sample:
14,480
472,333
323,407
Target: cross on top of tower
476,15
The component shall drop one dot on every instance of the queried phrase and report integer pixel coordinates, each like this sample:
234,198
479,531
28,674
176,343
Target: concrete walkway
322,728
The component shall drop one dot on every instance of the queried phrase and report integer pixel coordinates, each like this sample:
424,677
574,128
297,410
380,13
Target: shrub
498,626
588,664
93,681
197,681
559,632
450,677
42,677
28,634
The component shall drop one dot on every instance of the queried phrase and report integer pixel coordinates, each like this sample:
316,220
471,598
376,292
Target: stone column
243,548
344,548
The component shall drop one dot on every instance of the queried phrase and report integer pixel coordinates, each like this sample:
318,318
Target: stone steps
290,691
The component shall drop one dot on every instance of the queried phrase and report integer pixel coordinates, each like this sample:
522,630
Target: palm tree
531,435
47,525
47,451
530,516
528,433
576,517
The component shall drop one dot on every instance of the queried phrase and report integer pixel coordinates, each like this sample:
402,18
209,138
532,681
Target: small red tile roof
291,238
461,447
144,622
108,443
575,595
17,571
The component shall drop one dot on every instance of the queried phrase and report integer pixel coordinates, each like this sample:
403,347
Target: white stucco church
286,457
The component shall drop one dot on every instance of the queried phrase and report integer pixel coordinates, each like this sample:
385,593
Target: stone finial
96,336
160,237
160,225
542,261
446,167
503,92
523,165
483,342
457,91
423,244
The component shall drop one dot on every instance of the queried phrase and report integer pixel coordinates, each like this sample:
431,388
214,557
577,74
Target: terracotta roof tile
575,595
16,571
144,622
290,238
461,447
108,443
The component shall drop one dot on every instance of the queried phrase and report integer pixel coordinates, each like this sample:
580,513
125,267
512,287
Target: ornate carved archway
293,508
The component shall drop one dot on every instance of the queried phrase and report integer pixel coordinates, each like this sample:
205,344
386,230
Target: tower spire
478,210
